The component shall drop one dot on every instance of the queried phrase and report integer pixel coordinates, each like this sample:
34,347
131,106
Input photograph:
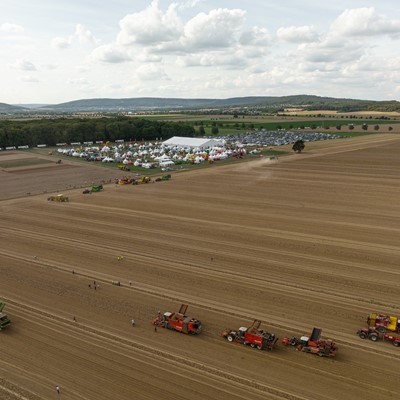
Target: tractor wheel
363,335
381,329
245,343
230,338
252,345
396,344
374,337
259,347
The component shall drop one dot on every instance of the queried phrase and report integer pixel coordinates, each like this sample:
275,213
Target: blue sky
53,51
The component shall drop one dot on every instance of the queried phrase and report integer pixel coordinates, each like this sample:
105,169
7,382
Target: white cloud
364,22
219,28
25,65
78,81
150,26
110,53
151,72
11,28
297,34
61,42
84,35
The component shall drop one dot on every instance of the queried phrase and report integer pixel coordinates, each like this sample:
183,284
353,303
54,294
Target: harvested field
310,240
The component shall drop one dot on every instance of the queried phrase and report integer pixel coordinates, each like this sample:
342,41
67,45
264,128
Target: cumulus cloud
219,28
25,65
11,28
297,34
61,42
150,26
364,22
84,35
110,53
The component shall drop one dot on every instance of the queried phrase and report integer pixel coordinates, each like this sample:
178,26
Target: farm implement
4,321
59,197
178,321
383,323
313,344
252,336
373,334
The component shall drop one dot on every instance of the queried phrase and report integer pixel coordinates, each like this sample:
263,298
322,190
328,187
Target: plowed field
310,240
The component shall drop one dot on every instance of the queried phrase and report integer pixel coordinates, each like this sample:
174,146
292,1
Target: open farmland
310,240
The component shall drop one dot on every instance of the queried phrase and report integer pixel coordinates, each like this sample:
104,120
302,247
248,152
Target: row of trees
50,132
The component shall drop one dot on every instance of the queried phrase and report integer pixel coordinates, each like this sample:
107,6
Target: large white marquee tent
200,143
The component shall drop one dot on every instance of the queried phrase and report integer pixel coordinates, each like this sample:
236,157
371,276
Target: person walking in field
133,323
58,389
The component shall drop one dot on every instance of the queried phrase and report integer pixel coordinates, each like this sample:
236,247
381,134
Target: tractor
178,321
252,336
97,188
123,181
313,345
163,178
373,334
59,197
4,321
123,168
384,323
144,179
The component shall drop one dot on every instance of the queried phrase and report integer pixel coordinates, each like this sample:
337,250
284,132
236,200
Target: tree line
50,132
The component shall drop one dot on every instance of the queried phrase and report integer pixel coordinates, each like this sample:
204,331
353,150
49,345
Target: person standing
58,390
133,323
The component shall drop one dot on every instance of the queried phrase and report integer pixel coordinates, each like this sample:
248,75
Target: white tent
192,142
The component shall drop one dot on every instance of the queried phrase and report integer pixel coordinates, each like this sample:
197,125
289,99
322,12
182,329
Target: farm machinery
178,321
383,323
95,188
163,178
144,179
4,321
373,334
313,344
59,197
252,336
123,168
123,181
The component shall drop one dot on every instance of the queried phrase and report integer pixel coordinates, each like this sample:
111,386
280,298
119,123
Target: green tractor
97,188
4,321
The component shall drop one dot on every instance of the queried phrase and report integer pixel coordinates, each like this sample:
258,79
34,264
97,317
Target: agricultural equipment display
163,178
4,321
314,345
144,179
123,168
252,336
374,335
178,321
384,323
59,197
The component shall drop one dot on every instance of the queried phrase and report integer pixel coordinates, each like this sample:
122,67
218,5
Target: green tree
376,127
298,146
202,130
214,130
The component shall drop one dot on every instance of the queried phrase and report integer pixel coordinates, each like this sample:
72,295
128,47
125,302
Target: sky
54,51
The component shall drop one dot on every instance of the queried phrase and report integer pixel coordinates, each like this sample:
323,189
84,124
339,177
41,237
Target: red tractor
373,334
314,345
253,336
178,321
384,323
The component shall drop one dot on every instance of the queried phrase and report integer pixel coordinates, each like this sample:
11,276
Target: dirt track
312,240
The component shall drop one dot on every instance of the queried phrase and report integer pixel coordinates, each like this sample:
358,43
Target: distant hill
263,103
8,108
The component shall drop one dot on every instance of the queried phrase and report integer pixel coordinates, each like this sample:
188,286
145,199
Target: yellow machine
59,197
145,179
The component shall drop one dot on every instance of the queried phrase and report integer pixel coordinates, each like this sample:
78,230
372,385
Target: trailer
394,339
178,321
313,344
252,336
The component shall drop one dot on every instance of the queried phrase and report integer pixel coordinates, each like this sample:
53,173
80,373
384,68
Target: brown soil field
311,240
